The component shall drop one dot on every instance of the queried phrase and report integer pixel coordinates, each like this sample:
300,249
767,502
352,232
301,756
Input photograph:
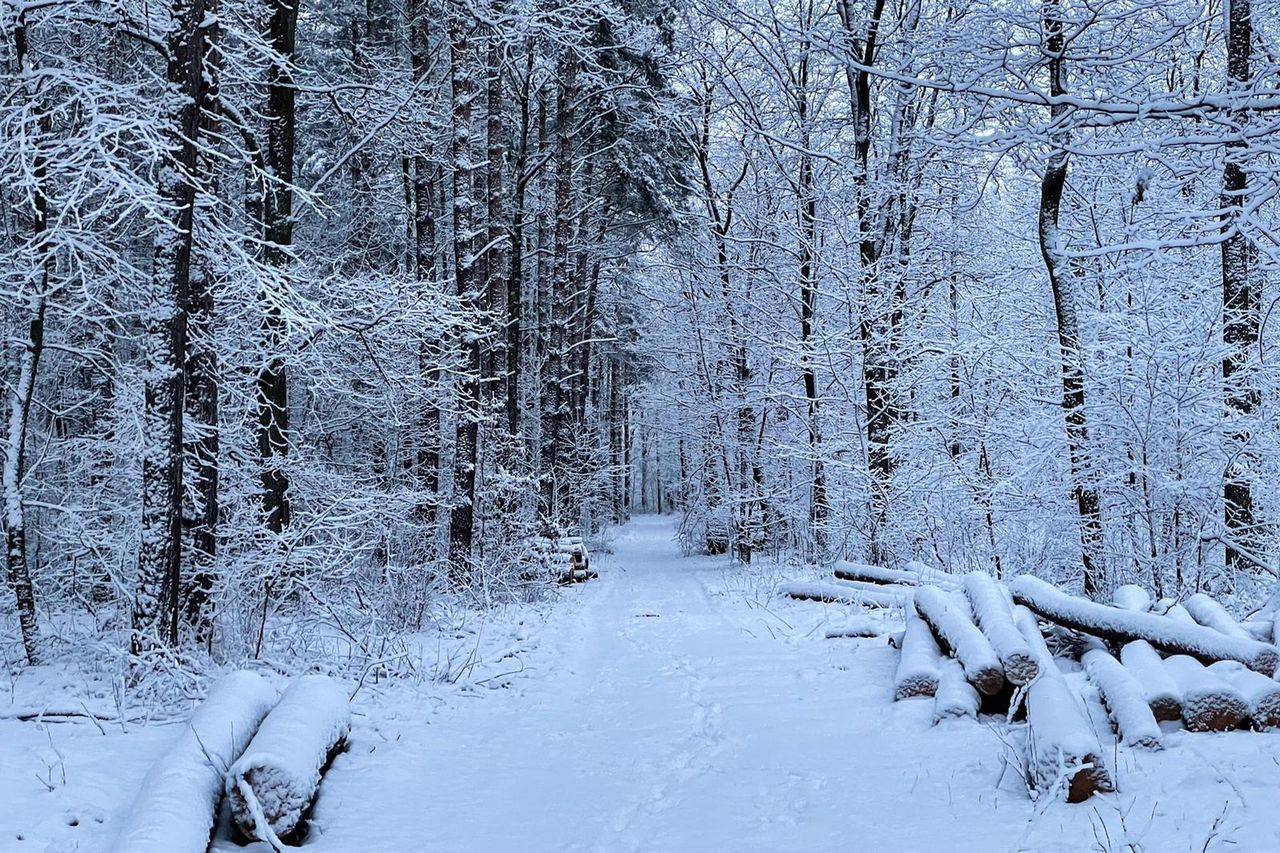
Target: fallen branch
832,594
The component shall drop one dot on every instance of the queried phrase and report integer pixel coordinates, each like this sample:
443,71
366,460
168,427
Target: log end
915,687
988,680
1167,708
1021,668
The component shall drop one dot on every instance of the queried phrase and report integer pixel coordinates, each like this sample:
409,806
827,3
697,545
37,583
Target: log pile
266,753
976,645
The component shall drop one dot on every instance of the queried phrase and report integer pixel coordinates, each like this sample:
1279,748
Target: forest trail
677,705
665,715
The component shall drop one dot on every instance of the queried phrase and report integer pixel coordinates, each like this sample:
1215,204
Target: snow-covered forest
337,331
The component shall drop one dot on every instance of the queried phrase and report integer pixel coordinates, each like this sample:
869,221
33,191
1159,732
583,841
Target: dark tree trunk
462,514
1241,299
155,609
877,366
202,393
1062,281
560,292
18,569
273,383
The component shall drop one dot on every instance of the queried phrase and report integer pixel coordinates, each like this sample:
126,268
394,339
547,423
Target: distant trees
990,421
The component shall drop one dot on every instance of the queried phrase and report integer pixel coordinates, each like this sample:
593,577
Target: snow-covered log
834,594
1130,596
847,571
948,616
175,807
1064,758
877,589
955,697
1211,614
1162,693
918,664
1264,632
993,611
1209,702
273,783
1261,693
1162,632
1125,699
855,626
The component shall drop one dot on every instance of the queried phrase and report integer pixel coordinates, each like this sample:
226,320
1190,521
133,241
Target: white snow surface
955,698
1213,615
674,705
1130,596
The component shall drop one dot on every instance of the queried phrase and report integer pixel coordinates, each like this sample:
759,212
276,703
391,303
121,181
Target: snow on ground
676,705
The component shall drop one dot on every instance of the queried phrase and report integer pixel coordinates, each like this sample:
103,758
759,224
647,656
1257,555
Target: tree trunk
155,609
17,567
462,513
1241,299
273,383
202,391
559,295
1062,283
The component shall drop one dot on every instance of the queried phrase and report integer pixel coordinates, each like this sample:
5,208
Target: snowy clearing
675,704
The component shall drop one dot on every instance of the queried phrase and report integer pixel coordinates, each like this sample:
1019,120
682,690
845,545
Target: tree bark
1241,298
462,512
1062,280
155,609
273,382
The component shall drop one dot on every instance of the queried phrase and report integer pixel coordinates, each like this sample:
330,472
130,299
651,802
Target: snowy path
672,707
668,715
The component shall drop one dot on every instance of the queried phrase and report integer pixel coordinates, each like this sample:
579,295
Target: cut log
901,590
830,593
993,611
1261,693
1112,623
856,626
1163,695
949,618
847,571
1132,597
1263,632
1209,702
175,807
918,664
1125,700
955,697
271,786
1211,614
1064,758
